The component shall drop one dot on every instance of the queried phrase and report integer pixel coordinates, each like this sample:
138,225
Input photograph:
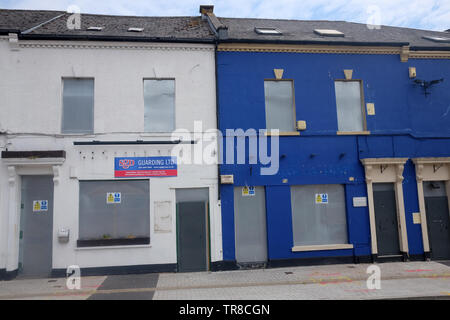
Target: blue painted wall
407,124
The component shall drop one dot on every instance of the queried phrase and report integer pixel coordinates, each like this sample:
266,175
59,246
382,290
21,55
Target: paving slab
116,287
130,281
48,288
301,275
354,290
123,296
421,280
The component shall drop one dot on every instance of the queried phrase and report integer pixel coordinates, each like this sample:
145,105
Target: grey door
250,226
192,230
36,226
386,219
437,211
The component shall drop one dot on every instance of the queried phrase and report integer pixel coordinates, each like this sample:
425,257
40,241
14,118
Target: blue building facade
404,128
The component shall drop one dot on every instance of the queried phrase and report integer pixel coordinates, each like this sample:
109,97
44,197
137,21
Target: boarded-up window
279,97
349,106
159,105
78,106
318,214
126,215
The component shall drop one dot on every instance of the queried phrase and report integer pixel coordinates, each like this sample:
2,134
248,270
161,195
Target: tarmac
398,280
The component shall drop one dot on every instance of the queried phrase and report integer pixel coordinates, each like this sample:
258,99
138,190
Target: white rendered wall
3,207
30,110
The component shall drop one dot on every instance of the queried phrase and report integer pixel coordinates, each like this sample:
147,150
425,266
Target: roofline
335,43
88,37
214,40
6,31
423,48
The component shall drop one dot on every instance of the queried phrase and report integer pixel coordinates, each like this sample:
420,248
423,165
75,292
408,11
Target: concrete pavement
343,281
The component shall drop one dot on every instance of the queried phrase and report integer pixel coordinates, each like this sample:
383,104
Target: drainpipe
217,115
221,33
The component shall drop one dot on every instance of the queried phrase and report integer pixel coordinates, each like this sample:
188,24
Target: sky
418,14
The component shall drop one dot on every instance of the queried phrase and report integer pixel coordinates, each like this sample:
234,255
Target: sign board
416,218
163,216
321,198
226,178
248,191
113,197
40,205
360,201
125,167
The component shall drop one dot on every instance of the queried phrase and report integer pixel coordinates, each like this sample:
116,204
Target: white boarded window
279,98
159,105
78,105
318,221
114,210
349,106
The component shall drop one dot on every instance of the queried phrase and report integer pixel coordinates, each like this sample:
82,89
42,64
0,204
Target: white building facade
116,84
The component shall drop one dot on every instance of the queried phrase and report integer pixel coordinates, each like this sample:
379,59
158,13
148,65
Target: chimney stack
204,9
219,29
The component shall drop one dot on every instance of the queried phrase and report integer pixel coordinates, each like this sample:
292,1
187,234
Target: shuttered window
78,106
318,214
349,106
279,98
159,105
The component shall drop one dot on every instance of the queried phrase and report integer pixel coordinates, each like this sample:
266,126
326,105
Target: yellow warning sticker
36,206
109,197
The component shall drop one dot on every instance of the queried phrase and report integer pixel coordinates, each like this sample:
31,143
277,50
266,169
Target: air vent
437,39
135,29
270,31
329,33
95,28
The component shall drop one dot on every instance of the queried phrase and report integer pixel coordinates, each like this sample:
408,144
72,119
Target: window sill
322,247
156,134
143,246
352,133
112,242
286,133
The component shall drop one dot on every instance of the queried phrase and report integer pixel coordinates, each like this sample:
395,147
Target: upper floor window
349,105
159,105
78,105
280,108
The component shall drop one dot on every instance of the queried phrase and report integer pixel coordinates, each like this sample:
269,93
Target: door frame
266,237
207,229
430,169
23,223
18,167
386,170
